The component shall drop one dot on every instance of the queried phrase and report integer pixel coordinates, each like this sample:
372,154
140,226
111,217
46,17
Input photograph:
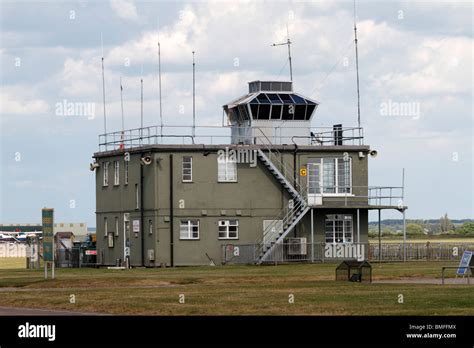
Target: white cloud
14,102
125,9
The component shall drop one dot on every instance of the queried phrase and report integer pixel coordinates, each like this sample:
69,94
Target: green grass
237,290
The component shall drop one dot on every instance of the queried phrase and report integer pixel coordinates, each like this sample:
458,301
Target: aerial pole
141,109
121,106
288,43
357,65
159,76
103,89
194,97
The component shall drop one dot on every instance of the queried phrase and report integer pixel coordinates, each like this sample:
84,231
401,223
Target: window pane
329,175
262,99
343,175
264,112
276,112
254,109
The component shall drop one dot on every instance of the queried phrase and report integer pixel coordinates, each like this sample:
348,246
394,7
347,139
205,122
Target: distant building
77,228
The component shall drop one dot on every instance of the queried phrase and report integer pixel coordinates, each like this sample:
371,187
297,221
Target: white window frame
336,177
117,226
225,172
190,174
150,227
339,217
110,240
106,174
224,227
188,224
116,173
137,197
126,172
106,227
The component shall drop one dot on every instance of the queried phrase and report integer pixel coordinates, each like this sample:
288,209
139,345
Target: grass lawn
12,262
236,290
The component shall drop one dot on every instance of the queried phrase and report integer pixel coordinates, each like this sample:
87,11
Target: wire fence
324,252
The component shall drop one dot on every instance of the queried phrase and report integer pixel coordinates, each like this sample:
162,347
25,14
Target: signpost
48,240
464,264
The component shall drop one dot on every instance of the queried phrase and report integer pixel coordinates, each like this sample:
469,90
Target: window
338,228
137,201
150,227
110,240
336,175
226,169
187,170
189,229
106,228
116,173
106,174
116,226
228,229
126,173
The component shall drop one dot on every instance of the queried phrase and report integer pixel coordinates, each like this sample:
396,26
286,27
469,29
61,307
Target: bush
466,228
415,230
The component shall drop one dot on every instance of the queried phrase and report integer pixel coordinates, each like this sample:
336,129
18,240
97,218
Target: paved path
18,311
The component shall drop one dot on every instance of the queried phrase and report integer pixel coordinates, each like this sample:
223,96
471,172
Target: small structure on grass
354,271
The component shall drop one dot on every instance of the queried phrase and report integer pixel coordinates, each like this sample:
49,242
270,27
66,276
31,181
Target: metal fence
322,252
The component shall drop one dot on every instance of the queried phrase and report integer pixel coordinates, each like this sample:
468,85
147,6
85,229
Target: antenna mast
103,88
357,65
159,74
121,104
288,42
194,97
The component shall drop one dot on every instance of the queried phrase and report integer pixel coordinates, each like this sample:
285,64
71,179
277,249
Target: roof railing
214,135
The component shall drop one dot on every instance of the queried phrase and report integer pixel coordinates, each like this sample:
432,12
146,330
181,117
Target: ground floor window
228,229
189,229
110,240
339,228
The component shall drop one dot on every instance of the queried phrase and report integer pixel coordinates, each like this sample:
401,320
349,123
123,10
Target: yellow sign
303,171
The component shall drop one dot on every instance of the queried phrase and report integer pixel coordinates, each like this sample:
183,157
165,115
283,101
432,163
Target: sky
416,78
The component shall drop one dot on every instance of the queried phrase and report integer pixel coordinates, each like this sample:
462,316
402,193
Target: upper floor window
116,173
189,229
336,175
228,229
106,227
187,169
106,174
226,169
116,226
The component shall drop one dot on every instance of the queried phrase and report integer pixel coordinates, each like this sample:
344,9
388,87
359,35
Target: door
314,184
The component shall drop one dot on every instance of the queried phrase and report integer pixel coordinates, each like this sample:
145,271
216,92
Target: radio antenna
194,97
103,87
159,77
288,42
357,65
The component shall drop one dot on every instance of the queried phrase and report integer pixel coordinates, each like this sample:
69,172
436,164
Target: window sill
189,239
337,195
228,238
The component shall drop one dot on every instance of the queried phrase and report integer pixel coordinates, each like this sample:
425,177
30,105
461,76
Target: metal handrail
156,134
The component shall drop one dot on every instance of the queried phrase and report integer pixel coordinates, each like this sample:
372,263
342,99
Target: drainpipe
142,229
295,173
171,213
